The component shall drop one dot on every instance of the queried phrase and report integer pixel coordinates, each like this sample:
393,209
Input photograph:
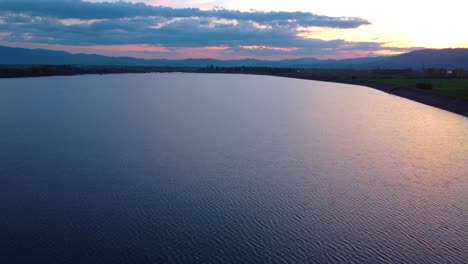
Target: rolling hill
442,58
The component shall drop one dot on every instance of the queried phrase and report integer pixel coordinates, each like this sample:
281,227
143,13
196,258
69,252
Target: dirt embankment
449,103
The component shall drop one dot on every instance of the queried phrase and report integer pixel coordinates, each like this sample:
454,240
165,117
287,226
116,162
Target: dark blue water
193,168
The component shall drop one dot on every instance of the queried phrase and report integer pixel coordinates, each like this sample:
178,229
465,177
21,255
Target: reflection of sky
431,25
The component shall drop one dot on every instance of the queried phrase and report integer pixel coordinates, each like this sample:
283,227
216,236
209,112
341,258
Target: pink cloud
132,50
216,52
262,47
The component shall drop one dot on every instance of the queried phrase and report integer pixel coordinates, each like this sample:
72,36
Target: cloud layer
79,9
254,34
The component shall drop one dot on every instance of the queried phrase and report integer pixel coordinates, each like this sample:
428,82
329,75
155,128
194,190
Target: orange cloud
133,50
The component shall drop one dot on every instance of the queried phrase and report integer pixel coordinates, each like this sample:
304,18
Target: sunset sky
234,29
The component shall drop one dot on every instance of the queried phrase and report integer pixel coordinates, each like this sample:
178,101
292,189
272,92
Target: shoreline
457,105
445,102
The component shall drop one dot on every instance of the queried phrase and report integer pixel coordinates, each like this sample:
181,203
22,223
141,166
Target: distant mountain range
441,58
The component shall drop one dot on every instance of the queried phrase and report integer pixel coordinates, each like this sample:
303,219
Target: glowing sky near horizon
392,27
430,23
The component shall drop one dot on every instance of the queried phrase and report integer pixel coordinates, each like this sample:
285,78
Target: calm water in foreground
193,168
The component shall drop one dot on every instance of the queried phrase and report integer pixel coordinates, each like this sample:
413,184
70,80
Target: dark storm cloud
78,9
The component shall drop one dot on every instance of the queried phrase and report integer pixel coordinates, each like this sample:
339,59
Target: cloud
142,30
188,32
78,9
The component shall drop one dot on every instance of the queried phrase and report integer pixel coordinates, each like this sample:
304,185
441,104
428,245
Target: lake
212,168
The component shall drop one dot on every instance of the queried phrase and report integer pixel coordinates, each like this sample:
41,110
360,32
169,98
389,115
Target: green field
454,87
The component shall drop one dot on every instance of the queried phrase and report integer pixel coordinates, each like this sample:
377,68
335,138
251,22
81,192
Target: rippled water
193,168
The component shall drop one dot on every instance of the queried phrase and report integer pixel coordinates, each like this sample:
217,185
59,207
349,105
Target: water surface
195,168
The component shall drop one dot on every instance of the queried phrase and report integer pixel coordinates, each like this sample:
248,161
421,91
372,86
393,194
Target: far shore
455,104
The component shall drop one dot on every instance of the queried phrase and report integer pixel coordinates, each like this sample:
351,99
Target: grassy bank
452,87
